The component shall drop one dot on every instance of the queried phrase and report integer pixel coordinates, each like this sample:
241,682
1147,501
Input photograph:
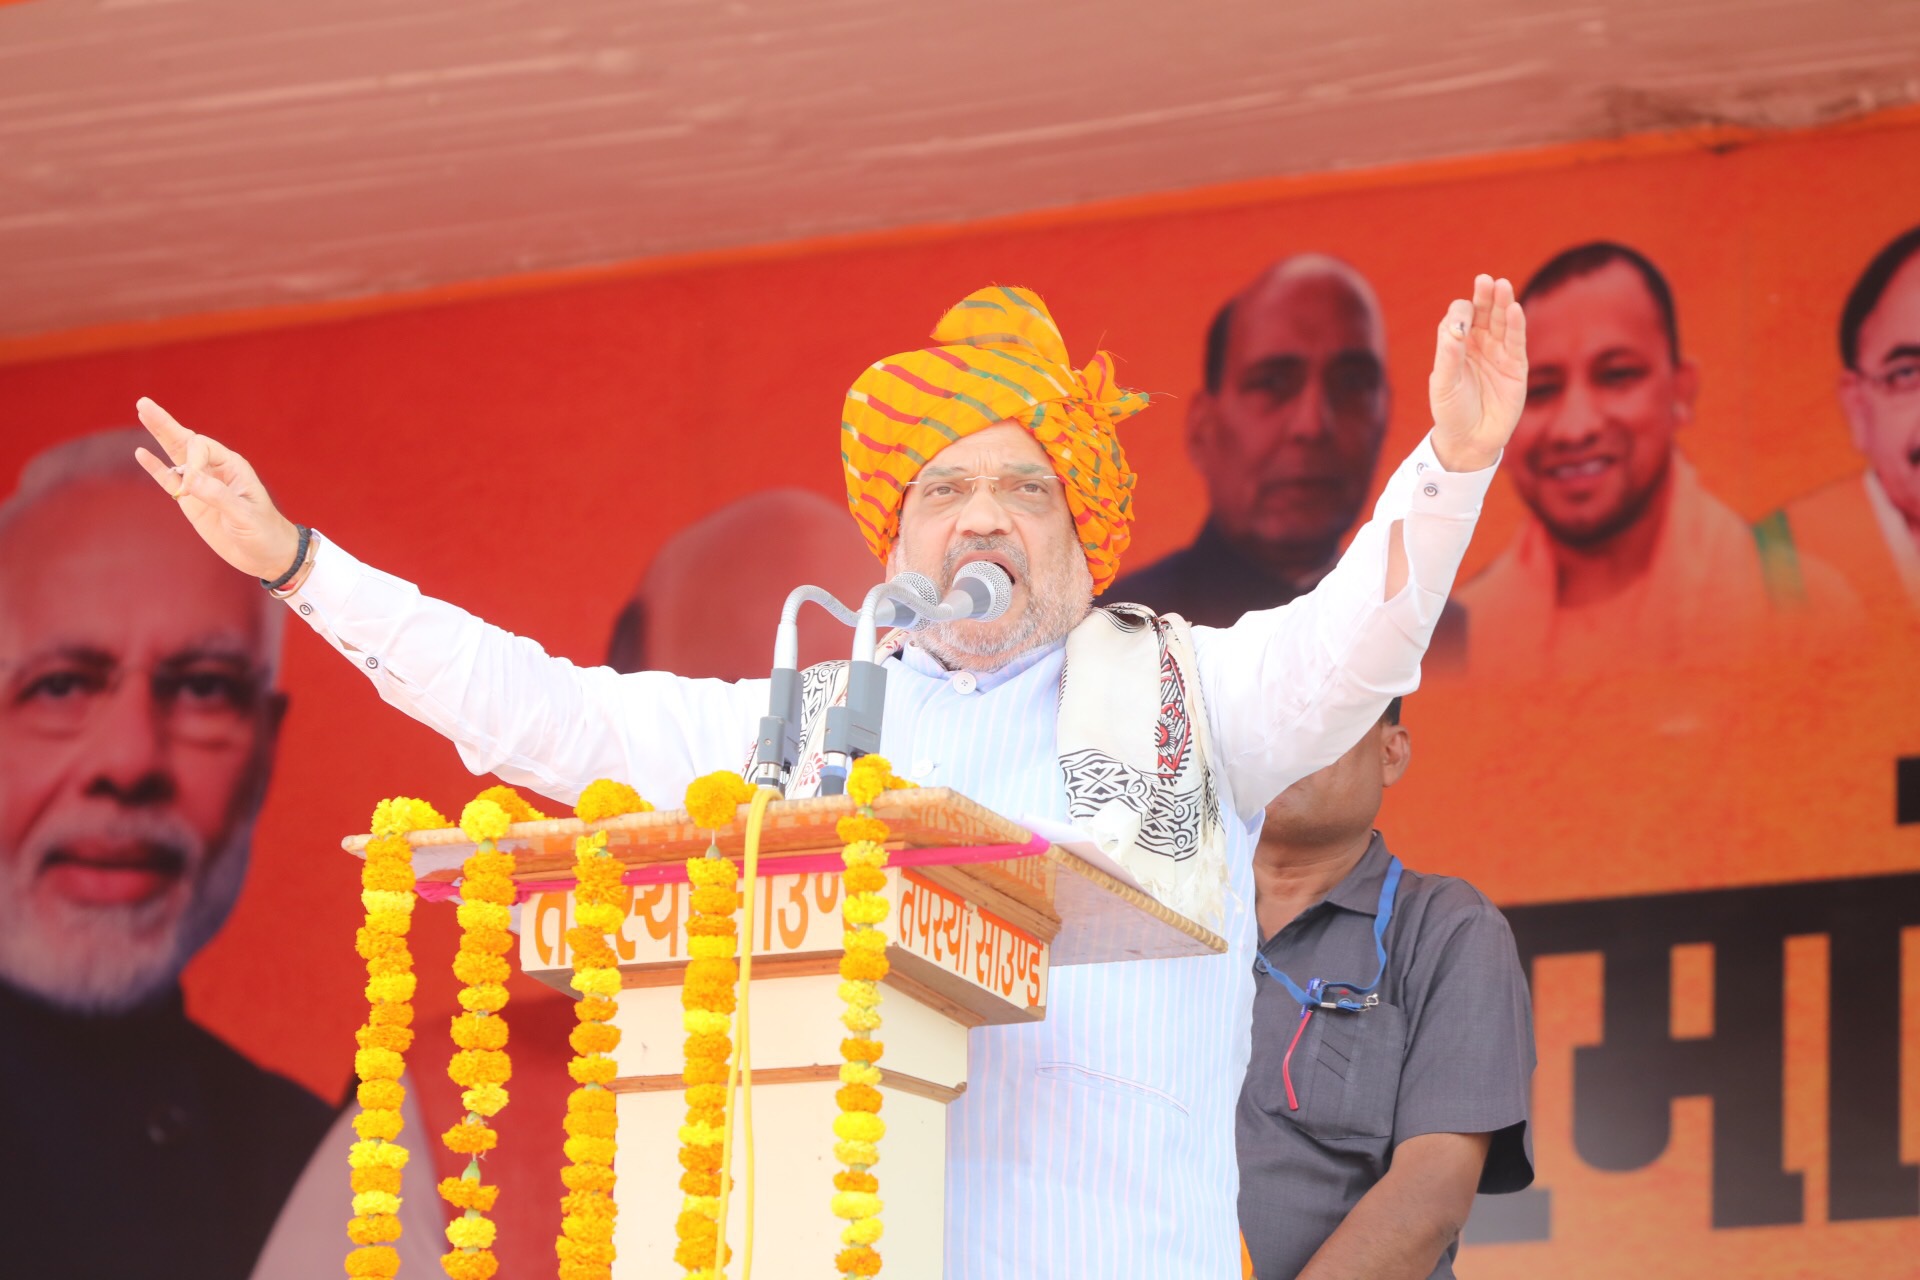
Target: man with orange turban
1100,1141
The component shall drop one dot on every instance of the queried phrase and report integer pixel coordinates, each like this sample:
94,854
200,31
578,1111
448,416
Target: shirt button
964,682
1432,491
373,664
305,610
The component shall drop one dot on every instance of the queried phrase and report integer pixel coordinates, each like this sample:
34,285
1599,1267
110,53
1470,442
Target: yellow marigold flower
468,1193
385,900
859,1073
712,800
711,870
484,915
705,1022
865,1231
380,1229
864,854
402,814
716,899
483,819
596,982
865,908
369,1155
490,997
594,1070
605,798
601,916
378,1179
861,995
378,1124
858,828
701,1135
587,1230
859,1126
594,1101
470,1233
368,1204
378,1064
856,1204
517,806
395,923
484,1100
584,1149
860,1019
375,1262
712,948
847,1152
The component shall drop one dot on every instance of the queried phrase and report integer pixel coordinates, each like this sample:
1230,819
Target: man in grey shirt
1392,1041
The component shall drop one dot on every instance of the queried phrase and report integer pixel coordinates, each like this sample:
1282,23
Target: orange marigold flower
470,1139
595,1009
715,900
605,798
480,1066
856,827
712,800
381,1095
853,1180
373,1261
377,1124
396,1039
863,968
588,1177
376,1178
390,1013
857,1097
591,1124
858,1260
382,1228
855,1049
479,970
517,807
476,1031
480,1264
594,1037
595,1070
465,1193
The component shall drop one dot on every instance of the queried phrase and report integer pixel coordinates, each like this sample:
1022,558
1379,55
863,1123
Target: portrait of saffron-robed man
1098,1141
1626,559
137,733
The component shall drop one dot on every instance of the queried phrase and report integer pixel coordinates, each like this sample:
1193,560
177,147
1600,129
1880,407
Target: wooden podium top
1085,915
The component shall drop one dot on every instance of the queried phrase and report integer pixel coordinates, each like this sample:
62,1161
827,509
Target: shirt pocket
1346,1073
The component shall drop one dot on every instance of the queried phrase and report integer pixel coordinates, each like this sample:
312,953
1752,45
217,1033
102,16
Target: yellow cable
742,1068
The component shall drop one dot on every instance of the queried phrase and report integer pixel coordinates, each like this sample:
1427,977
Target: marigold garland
858,1128
707,1000
585,1243
480,1066
376,1160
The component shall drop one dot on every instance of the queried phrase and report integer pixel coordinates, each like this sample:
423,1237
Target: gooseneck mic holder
779,744
909,601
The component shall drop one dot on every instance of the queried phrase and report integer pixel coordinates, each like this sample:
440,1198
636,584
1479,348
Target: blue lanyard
1352,998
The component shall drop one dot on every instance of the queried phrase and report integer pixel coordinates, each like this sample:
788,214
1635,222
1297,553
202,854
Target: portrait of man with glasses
1867,526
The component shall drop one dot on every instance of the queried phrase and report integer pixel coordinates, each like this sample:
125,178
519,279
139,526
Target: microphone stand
853,729
779,745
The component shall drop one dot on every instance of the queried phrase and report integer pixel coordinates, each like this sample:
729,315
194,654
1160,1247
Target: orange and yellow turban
999,359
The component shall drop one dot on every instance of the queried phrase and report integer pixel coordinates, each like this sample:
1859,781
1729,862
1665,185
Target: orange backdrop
617,406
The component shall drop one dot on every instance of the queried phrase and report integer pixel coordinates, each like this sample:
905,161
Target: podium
981,911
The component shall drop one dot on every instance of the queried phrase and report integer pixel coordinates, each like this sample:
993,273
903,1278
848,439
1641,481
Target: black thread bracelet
299,558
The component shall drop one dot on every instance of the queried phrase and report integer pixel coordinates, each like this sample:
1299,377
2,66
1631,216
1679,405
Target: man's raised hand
1479,382
220,496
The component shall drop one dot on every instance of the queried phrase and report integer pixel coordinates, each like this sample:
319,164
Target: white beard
109,959
1047,619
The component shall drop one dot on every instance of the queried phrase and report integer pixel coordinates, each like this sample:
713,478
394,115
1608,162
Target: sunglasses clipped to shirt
1337,997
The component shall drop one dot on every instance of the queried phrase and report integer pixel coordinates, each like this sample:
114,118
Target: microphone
981,592
909,602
